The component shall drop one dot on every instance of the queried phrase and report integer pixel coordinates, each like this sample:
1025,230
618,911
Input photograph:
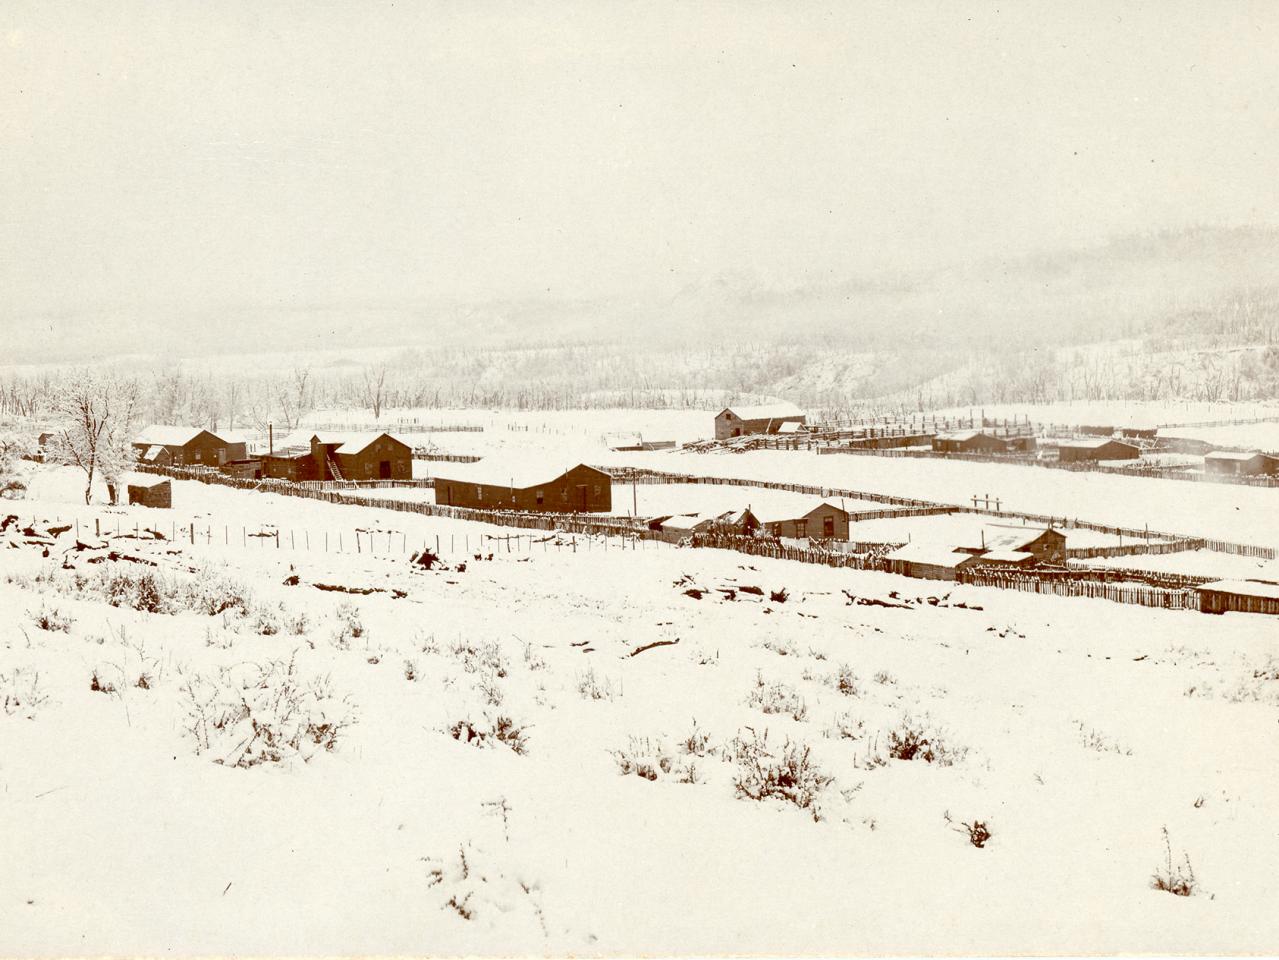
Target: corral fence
565,523
422,453
1167,598
1143,547
394,426
764,547
647,475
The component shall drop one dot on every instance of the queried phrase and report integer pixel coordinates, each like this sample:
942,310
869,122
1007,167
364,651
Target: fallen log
655,643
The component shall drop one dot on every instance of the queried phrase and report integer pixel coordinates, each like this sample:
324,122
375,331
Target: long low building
526,483
823,520
930,561
161,444
1239,596
739,421
1230,463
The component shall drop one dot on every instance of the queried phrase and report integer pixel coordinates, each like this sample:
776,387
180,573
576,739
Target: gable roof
1000,537
346,443
772,514
1094,444
1233,455
518,472
168,436
766,411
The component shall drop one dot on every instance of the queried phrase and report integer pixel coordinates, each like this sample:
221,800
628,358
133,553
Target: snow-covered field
1253,436
952,529
1118,413
1075,730
1213,510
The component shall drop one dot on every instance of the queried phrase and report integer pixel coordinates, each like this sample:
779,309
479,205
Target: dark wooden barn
188,446
1016,545
1228,463
1084,451
969,441
339,456
525,484
742,420
823,521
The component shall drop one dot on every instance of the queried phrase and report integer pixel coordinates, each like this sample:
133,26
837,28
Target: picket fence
1141,548
1177,598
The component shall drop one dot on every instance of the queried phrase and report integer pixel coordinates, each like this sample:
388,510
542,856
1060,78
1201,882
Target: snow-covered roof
154,452
522,472
766,411
346,443
960,435
615,440
1091,444
1001,537
779,514
1006,556
1244,588
1232,455
691,522
790,426
929,553
145,480
168,436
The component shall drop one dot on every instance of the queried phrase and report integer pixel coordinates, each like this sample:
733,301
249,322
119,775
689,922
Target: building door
828,527
384,469
581,497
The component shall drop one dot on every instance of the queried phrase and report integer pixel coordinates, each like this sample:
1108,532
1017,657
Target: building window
479,493
597,489
801,529
541,497
564,494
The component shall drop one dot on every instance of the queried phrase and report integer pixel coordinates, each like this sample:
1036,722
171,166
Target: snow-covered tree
100,418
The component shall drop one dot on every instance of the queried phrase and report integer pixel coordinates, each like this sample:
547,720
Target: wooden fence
566,523
1141,548
645,475
1177,598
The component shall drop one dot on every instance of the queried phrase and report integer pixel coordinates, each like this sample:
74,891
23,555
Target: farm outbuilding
525,484
677,528
1086,451
824,520
306,455
740,421
1239,596
969,441
1232,464
150,492
927,560
1016,545
188,446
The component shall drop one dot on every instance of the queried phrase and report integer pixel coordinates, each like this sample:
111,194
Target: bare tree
295,397
99,414
374,383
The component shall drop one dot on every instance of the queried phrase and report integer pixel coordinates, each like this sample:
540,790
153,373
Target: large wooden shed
1083,451
188,446
1016,545
742,420
1229,463
306,455
822,520
969,441
928,560
526,483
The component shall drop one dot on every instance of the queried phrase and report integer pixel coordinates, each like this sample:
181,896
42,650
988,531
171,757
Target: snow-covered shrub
253,713
1095,740
783,647
485,657
920,739
472,887
264,620
532,659
410,670
51,619
349,626
491,731
884,678
294,623
845,681
697,743
490,689
20,693
142,590
592,687
211,592
1178,879
102,680
651,759
777,698
846,727
792,776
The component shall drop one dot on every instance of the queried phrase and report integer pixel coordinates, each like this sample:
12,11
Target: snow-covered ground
954,529
1077,730
1214,510
1196,563
1253,436
1118,413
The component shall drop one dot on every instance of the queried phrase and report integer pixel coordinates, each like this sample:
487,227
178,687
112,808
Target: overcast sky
172,153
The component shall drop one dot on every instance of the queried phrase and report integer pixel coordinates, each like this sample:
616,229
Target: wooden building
1017,545
1240,596
677,528
1085,451
927,560
740,421
824,521
969,441
150,491
1228,463
339,456
524,484
188,446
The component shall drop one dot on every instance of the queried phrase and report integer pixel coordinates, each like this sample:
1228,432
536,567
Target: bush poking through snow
20,694
252,714
1094,740
410,670
101,682
51,619
846,727
845,681
1177,879
777,698
350,626
476,891
920,739
490,731
697,743
792,776
481,657
653,760
592,687
979,833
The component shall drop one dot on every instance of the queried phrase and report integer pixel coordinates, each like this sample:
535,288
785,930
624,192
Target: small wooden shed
151,492
1239,596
